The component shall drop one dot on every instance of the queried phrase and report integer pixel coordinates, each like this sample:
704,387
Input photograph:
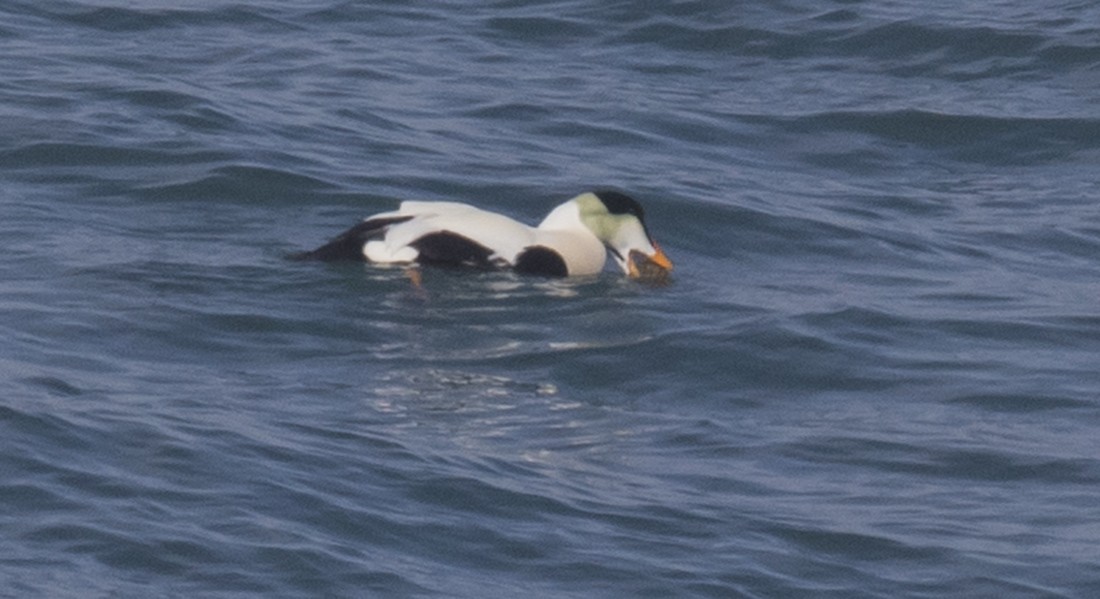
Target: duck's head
619,222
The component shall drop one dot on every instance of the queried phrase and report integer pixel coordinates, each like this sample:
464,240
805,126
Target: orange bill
659,258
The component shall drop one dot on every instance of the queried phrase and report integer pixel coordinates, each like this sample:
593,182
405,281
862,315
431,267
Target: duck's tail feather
349,244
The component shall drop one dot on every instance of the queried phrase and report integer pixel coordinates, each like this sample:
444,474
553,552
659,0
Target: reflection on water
445,389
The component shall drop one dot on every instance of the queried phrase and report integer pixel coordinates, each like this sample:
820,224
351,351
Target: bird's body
573,239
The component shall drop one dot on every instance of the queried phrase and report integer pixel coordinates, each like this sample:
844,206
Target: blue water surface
874,372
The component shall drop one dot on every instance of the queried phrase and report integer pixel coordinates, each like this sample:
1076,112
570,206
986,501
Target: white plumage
508,237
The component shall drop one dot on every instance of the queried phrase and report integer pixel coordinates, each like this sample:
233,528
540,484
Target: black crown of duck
574,239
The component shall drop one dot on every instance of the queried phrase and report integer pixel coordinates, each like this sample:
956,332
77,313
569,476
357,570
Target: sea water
874,372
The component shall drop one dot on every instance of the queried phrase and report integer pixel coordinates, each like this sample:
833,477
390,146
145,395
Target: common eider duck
574,239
